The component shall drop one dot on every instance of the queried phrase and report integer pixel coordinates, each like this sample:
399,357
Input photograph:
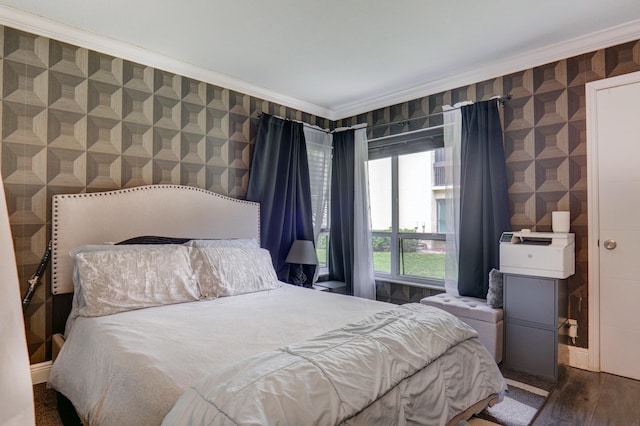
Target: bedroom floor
46,411
585,398
580,398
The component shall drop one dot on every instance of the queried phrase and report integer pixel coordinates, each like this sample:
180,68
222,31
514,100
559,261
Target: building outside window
407,191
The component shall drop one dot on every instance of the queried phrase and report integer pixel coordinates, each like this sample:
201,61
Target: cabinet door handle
610,244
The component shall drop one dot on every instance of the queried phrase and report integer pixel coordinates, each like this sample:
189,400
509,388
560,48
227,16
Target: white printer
540,254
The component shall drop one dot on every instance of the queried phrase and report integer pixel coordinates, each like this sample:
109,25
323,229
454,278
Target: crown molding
46,27
588,43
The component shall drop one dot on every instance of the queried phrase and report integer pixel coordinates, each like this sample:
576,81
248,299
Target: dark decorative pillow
494,296
149,239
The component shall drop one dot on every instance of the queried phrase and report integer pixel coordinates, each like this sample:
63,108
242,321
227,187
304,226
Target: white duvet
395,367
130,368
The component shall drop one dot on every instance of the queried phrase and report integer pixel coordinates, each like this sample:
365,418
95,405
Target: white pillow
231,271
78,298
78,294
224,243
122,280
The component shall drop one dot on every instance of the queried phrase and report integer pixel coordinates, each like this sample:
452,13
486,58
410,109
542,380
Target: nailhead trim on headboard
55,234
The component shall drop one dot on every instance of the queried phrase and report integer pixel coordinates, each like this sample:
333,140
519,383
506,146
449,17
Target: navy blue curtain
341,247
279,181
484,202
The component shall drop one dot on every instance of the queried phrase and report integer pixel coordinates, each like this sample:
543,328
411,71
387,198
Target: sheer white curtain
319,148
363,280
452,138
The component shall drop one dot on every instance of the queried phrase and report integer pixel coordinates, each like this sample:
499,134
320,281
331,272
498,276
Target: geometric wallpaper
74,120
545,144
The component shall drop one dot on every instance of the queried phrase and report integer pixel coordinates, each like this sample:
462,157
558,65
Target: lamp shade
302,252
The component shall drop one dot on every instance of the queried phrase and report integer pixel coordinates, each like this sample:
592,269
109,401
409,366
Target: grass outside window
429,265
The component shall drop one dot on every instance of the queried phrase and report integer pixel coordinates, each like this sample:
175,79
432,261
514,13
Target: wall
75,120
545,144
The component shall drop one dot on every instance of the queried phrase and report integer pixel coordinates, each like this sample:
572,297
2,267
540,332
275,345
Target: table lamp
302,252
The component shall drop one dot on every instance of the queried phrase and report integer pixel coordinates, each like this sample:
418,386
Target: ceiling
334,58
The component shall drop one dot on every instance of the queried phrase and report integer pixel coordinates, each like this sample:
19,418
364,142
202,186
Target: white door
618,186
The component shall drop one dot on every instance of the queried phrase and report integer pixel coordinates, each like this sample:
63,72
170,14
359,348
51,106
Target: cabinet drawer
531,350
530,299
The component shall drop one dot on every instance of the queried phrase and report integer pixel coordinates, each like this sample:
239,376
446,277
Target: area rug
522,402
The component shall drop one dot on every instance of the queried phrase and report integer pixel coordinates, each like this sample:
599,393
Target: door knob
610,244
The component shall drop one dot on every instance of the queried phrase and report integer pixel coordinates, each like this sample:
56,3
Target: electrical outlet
573,329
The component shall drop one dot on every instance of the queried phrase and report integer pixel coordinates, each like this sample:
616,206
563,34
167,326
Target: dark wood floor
580,398
585,398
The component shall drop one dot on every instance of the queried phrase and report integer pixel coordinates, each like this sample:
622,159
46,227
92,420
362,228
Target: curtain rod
501,99
311,126
320,129
407,134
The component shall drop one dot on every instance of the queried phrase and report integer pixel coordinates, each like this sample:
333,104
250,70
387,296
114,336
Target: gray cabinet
534,310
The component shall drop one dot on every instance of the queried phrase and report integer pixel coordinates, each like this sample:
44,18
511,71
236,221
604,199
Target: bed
210,336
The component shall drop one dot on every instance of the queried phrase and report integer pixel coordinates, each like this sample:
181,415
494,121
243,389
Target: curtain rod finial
506,98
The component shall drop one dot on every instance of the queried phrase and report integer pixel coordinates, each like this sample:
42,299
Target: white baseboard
527,387
40,372
578,357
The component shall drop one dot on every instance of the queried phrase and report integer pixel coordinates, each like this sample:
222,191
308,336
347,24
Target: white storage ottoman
487,321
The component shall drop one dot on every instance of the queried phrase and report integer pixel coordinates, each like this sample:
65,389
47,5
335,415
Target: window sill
430,286
323,274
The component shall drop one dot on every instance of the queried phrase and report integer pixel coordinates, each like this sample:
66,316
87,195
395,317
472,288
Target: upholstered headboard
160,210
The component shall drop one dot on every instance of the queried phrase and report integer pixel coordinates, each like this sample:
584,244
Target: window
380,196
406,185
438,168
321,248
319,166
442,215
